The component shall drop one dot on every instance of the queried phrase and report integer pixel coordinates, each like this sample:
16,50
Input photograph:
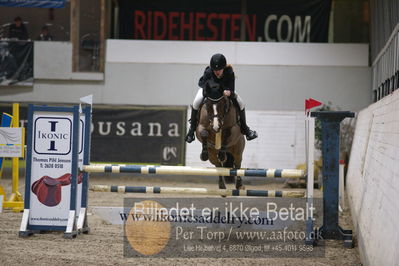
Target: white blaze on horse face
215,118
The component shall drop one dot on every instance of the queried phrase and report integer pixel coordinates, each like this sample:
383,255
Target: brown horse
220,116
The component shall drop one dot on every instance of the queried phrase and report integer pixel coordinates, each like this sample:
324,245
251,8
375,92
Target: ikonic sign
52,182
52,135
51,168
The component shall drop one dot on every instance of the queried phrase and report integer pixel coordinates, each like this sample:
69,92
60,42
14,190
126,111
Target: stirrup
190,137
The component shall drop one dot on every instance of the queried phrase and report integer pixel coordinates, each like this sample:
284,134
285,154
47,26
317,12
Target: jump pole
199,191
200,171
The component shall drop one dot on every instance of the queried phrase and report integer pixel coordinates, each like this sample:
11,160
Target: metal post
330,125
15,160
310,136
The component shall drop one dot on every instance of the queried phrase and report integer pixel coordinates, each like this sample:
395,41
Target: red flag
311,103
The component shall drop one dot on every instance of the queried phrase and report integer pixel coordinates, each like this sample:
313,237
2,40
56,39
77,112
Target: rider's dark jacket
214,86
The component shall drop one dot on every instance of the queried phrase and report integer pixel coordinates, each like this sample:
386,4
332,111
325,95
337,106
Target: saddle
48,189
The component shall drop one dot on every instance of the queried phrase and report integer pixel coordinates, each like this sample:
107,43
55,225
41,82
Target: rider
221,74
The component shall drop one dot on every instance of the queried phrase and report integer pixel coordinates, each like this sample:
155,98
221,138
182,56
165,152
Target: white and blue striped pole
199,191
187,170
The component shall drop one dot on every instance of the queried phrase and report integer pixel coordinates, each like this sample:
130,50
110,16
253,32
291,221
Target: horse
219,116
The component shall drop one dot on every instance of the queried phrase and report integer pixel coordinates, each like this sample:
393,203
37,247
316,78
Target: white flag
87,99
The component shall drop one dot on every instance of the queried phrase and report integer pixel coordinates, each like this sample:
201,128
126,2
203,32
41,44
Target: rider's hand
227,93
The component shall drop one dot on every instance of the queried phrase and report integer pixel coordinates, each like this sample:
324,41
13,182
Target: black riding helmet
218,61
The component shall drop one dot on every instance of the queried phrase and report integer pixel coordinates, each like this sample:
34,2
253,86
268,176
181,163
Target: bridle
220,116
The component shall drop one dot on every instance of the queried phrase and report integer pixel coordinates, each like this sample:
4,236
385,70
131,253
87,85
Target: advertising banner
221,20
52,178
51,169
11,142
33,3
133,134
138,135
214,227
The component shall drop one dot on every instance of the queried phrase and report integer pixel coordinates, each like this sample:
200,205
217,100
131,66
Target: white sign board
52,176
11,142
51,169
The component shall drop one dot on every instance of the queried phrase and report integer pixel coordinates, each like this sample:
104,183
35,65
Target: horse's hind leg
239,184
222,182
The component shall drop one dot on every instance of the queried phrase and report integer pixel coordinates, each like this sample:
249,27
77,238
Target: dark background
319,10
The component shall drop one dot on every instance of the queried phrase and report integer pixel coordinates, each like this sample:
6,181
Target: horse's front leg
237,164
204,153
222,155
225,158
237,151
213,158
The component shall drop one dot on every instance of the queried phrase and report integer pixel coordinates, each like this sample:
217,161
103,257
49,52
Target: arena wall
373,182
270,76
273,79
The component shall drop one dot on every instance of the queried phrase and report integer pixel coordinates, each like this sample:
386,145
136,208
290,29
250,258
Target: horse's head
217,110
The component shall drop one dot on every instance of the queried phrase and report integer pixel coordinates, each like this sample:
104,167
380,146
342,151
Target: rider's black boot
250,134
193,125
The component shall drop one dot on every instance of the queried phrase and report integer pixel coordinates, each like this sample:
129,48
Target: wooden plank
75,39
103,32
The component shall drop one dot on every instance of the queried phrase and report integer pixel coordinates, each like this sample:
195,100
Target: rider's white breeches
239,100
199,98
